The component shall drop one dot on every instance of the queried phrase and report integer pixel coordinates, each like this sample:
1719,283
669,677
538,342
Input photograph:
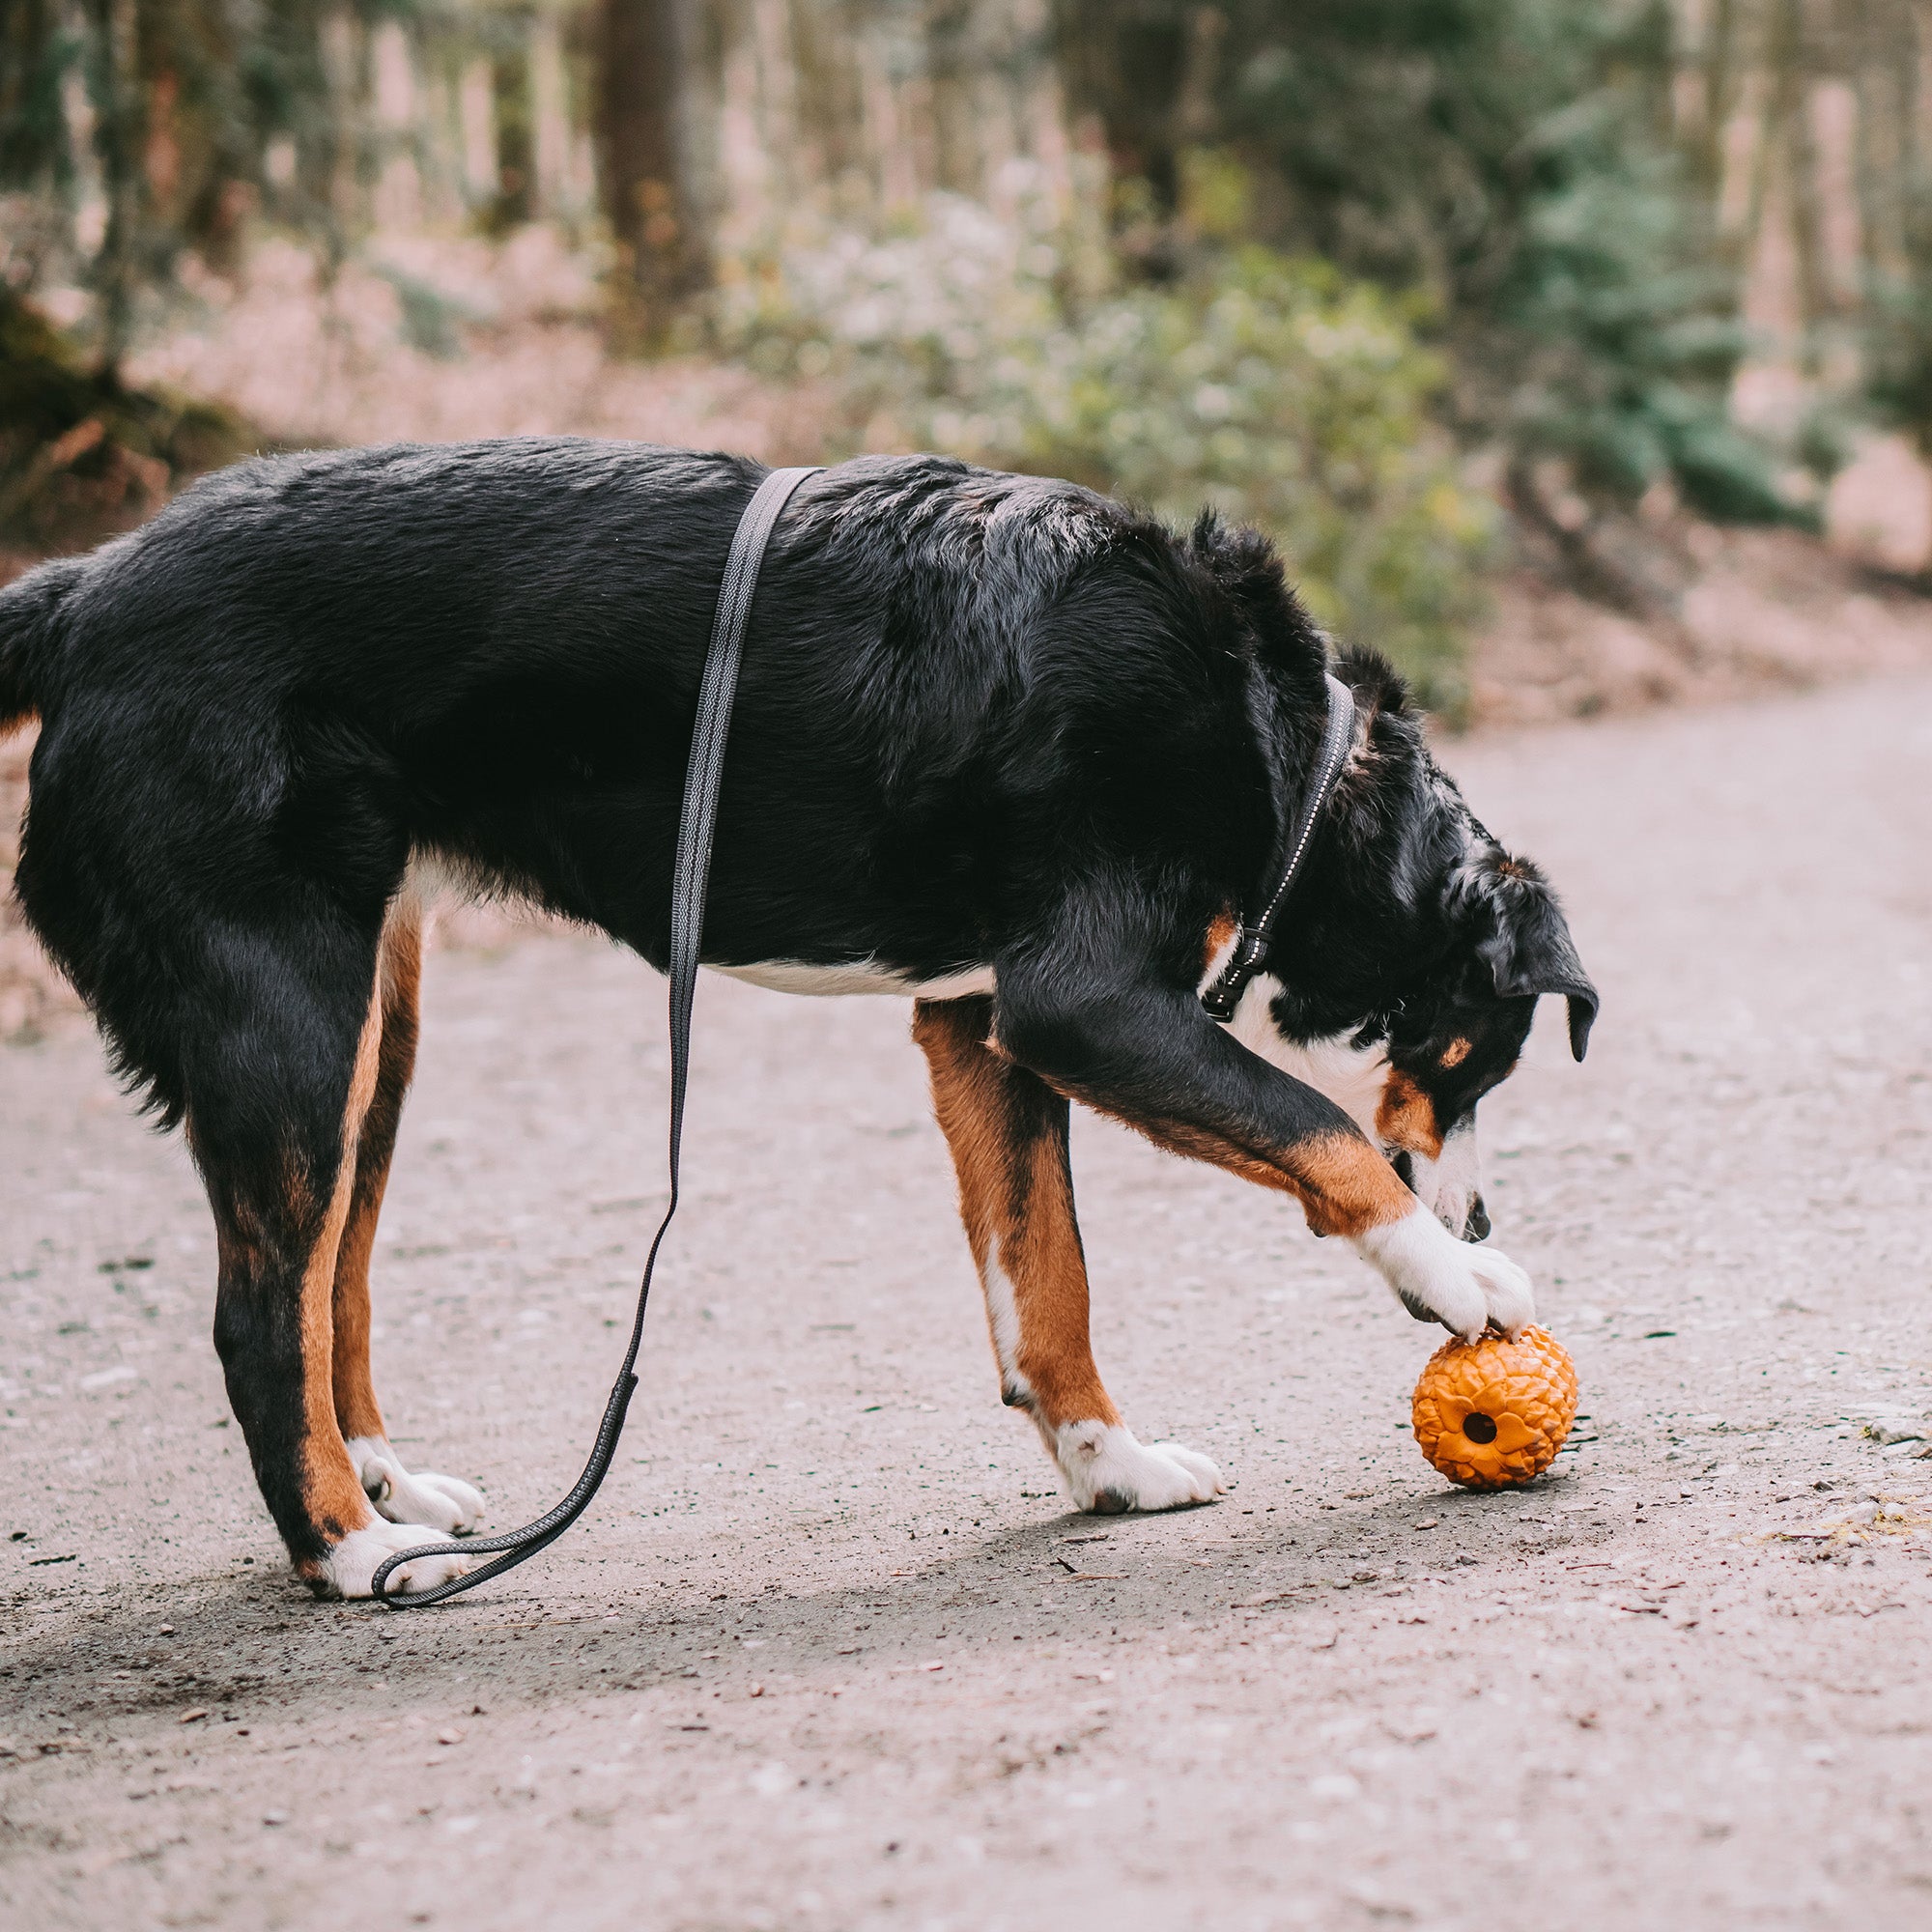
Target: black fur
29,634
984,719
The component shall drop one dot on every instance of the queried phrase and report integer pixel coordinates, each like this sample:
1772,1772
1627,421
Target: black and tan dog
1000,745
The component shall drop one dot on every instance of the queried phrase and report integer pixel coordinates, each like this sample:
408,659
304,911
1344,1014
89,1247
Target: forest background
1504,315
1433,289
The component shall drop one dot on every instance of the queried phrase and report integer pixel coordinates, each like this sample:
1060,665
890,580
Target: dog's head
1411,960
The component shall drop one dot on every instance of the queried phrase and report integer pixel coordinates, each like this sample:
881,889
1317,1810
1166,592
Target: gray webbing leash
697,824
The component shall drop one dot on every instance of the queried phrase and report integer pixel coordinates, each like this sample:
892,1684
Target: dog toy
1491,1414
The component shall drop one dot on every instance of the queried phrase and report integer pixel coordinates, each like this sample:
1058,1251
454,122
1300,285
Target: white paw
349,1570
1109,1473
443,1503
1438,1278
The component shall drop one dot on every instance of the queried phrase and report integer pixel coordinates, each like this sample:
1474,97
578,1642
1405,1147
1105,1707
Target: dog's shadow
232,1652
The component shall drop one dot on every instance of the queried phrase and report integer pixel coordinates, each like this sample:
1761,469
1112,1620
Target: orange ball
1491,1414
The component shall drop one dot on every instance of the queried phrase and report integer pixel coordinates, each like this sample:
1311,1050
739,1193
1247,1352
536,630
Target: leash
1251,950
692,870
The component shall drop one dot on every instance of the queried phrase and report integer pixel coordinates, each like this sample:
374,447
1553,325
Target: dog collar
1251,949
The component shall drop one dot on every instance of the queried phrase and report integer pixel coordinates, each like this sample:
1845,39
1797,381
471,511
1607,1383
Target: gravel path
831,1655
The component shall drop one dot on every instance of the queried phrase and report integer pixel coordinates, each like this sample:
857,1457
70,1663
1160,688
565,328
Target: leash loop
697,828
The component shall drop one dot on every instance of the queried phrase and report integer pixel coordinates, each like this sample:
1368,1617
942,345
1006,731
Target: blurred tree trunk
513,102
647,54
116,93
1127,64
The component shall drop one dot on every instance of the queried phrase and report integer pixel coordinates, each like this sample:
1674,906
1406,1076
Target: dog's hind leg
281,1078
1007,1130
443,1503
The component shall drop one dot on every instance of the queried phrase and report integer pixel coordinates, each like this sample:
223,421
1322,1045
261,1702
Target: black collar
1251,950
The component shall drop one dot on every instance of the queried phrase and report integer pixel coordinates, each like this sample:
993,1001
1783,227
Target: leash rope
697,828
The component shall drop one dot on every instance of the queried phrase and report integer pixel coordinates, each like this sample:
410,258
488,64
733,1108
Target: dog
1000,744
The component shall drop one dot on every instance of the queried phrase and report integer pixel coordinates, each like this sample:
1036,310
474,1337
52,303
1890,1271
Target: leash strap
692,871
1251,950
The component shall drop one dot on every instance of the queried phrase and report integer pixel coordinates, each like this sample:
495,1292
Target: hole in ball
1479,1428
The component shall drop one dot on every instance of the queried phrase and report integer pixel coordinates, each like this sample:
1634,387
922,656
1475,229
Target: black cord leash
1251,949
697,826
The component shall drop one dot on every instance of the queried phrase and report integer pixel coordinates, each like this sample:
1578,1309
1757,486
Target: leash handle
697,829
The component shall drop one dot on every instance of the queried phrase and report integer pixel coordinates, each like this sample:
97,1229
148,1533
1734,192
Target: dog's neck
1375,915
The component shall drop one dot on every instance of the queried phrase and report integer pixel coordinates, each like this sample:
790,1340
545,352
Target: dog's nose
1477,1227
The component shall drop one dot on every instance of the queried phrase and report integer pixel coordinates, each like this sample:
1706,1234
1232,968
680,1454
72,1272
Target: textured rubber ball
1491,1414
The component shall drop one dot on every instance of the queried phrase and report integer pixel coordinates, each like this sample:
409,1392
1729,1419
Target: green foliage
1280,391
1625,350
1290,397
432,318
1512,158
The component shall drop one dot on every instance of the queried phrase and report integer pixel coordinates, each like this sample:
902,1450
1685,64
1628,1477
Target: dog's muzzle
1475,1221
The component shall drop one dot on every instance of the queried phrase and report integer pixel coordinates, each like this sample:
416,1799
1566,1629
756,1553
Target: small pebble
274,1817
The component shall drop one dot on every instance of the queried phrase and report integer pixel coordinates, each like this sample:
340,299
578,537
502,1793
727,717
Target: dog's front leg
1008,1131
1123,1042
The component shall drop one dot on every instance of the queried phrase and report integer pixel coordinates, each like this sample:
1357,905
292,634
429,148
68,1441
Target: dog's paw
1110,1474
349,1570
443,1503
1437,1278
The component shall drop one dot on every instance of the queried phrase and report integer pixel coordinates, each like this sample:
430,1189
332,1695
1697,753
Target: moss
80,452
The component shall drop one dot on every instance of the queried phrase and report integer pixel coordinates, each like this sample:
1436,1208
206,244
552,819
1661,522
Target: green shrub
1279,391
1290,397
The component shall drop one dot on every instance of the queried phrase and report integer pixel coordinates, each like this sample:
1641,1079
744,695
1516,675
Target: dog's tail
30,609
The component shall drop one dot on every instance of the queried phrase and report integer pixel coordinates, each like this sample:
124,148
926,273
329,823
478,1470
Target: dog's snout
1476,1227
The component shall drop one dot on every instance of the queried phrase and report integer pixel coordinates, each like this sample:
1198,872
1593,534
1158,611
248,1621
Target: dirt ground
831,1653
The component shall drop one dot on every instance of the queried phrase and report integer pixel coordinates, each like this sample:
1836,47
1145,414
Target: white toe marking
1109,1471
1463,1286
445,1504
349,1568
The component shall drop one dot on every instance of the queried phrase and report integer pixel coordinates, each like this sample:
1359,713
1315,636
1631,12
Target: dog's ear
1526,944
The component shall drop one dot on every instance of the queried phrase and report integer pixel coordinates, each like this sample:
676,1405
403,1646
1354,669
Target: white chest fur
858,976
1352,1076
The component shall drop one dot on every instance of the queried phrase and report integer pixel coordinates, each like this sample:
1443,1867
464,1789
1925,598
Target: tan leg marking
1343,1184
1008,1132
330,1488
399,976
